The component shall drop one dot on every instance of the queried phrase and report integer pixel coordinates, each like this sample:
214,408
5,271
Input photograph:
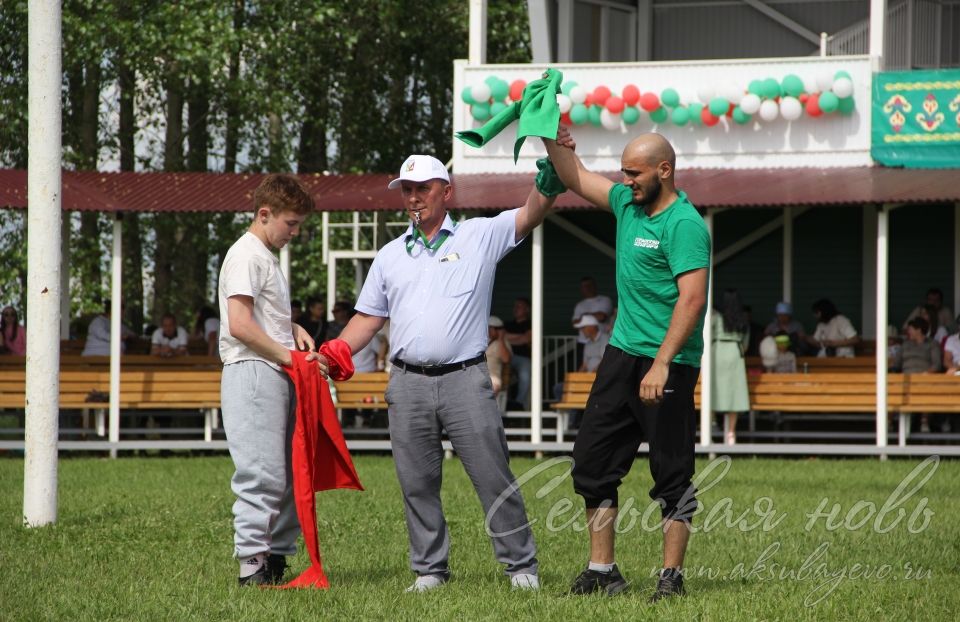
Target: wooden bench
363,392
76,362
840,392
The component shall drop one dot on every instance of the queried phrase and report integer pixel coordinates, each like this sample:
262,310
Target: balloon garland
765,100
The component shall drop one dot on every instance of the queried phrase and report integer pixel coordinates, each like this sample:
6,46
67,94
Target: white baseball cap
587,320
495,322
420,168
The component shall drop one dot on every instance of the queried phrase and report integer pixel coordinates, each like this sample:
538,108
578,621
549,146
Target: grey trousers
462,403
259,412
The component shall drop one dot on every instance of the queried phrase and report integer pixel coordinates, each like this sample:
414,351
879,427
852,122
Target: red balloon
631,95
565,119
813,105
600,95
589,100
709,119
730,109
649,102
803,98
615,104
516,89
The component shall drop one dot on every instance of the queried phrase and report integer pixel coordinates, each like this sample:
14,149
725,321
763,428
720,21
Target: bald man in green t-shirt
645,383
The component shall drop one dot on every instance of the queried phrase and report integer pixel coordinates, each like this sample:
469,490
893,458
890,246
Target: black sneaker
591,581
276,566
260,577
669,584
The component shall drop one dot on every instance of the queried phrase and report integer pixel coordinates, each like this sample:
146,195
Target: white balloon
810,85
824,81
790,108
769,111
732,93
480,92
578,94
843,87
705,94
564,103
609,120
750,103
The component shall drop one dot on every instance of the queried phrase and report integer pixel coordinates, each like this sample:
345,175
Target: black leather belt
439,370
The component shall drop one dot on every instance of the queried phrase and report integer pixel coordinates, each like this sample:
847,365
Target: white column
883,218
878,21
285,263
478,32
43,263
65,277
536,339
956,258
788,254
706,366
116,296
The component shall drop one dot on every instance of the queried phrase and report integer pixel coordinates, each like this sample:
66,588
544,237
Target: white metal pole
706,365
116,294
788,254
823,44
325,229
478,32
878,22
285,262
331,286
883,219
43,263
65,278
536,344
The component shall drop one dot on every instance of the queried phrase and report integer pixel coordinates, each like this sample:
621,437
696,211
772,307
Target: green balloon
630,115
499,89
793,85
567,87
680,116
670,97
719,106
579,114
771,88
496,108
466,96
659,115
829,102
740,116
594,115
480,112
695,109
756,87
842,74
846,106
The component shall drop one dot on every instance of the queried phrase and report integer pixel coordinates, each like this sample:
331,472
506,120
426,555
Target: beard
650,194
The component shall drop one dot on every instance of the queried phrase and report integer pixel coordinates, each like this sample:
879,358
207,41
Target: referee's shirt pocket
459,277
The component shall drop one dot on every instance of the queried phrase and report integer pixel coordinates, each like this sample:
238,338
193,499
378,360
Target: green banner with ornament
916,119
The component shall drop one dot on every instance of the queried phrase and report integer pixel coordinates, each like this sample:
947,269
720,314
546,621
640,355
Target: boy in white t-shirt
257,397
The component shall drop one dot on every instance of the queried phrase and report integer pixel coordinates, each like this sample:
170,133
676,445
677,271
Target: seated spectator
786,362
498,353
98,334
296,311
937,332
835,335
314,321
342,312
597,340
170,339
13,336
951,351
519,336
783,322
597,305
943,314
894,349
207,328
919,355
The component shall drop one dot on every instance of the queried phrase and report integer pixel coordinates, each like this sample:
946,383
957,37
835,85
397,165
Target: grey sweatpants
463,404
259,412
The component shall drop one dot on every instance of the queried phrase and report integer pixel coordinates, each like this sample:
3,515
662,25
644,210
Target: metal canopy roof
707,188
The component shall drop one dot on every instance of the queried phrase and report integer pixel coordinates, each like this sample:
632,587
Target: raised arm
532,213
591,186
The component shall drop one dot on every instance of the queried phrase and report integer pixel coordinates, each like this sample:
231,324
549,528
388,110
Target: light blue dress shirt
438,301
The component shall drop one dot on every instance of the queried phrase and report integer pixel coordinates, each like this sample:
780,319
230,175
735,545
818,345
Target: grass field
151,539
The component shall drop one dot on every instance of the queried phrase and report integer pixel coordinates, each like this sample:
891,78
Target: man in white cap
435,284
499,354
597,340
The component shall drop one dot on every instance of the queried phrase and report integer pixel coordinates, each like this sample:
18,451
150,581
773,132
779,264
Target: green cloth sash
537,111
548,182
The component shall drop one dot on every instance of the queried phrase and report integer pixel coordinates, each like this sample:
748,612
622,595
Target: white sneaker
427,582
525,582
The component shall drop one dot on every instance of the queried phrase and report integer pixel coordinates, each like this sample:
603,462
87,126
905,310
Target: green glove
548,182
537,111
